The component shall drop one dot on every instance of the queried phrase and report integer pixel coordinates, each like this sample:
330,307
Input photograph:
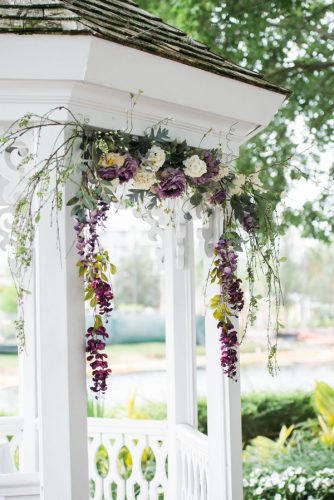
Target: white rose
195,167
144,180
278,496
238,183
155,158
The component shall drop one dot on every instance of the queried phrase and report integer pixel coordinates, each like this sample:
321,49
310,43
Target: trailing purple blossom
98,291
104,295
232,296
97,358
229,343
250,222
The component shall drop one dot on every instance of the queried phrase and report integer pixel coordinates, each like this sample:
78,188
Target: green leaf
196,199
72,201
215,301
113,268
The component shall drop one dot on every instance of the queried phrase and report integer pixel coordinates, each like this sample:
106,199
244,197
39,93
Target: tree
292,43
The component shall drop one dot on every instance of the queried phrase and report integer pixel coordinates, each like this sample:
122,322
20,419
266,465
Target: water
152,386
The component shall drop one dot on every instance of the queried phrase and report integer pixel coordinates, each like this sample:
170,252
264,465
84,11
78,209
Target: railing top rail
11,424
127,426
192,437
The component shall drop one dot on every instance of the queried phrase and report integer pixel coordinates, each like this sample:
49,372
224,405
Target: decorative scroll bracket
10,184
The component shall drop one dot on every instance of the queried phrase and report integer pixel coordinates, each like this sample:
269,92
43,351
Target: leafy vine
142,171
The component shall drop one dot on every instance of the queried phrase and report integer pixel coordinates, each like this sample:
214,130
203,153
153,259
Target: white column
60,357
28,385
180,342
224,411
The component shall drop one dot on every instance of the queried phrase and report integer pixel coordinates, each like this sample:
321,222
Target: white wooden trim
19,486
108,64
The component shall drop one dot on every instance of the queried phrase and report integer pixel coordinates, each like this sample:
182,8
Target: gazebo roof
122,22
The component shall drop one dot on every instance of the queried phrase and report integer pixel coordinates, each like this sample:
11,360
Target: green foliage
8,299
324,404
264,414
292,44
262,449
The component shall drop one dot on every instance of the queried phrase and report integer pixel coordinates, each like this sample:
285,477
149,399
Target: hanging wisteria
144,171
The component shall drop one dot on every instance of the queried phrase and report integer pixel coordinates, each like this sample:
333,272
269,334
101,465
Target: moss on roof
123,22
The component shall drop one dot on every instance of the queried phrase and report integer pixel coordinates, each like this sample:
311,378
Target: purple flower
108,173
173,183
229,344
103,295
128,170
212,165
227,266
218,198
98,360
89,249
250,222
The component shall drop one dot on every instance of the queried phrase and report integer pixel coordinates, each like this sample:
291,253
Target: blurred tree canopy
292,43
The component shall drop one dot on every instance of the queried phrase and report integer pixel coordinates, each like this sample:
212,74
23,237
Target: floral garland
144,171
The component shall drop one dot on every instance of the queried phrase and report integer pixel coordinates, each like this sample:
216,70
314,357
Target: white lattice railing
193,449
132,459
127,458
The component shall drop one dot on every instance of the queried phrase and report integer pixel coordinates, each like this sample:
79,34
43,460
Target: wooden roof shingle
122,22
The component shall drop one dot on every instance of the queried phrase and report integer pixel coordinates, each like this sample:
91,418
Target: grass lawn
119,354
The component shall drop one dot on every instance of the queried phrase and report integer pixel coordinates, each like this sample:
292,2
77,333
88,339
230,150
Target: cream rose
238,183
144,180
224,170
112,160
195,167
155,158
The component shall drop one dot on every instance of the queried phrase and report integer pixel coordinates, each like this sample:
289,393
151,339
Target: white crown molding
94,77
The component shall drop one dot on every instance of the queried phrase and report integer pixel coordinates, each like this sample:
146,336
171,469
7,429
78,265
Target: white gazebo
88,56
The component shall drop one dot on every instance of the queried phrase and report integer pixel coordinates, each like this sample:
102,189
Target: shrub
262,414
265,414
291,484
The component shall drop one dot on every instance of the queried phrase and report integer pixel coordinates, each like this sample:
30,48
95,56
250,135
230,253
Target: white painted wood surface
193,447
137,436
61,365
224,408
19,486
180,340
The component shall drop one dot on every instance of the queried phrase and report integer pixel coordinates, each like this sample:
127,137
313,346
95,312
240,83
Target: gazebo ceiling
122,22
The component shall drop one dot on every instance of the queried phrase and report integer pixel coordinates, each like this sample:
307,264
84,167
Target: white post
224,412
60,356
180,342
28,385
